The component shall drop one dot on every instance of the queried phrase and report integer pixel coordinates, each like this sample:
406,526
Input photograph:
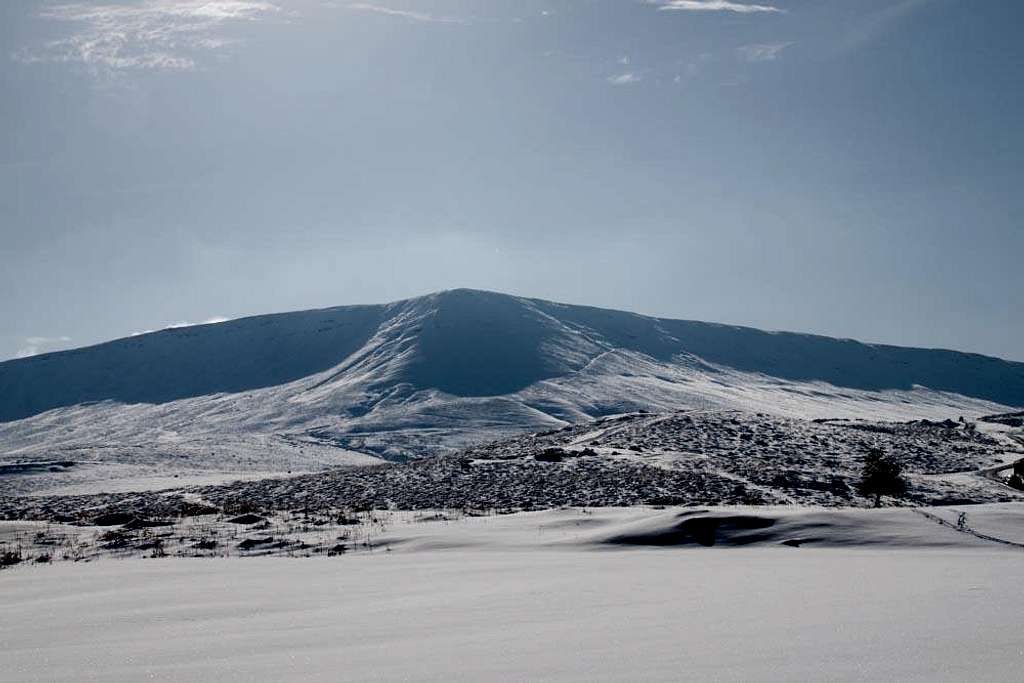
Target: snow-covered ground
542,596
695,457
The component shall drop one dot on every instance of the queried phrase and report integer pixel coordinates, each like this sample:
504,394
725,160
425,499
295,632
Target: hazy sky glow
845,167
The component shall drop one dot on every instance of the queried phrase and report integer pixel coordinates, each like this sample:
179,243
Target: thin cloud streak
404,14
715,6
875,25
761,52
624,78
156,34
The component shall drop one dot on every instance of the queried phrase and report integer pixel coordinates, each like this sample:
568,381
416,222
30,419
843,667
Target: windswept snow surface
544,596
315,389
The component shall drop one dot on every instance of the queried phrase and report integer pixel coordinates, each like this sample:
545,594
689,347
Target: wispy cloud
411,15
876,24
625,78
761,52
153,34
33,346
714,6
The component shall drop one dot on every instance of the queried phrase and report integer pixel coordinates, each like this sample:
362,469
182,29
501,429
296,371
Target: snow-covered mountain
313,388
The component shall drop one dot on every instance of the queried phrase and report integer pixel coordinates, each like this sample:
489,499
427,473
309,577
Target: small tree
1017,478
881,476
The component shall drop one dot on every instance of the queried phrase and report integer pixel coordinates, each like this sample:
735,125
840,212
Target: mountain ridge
466,343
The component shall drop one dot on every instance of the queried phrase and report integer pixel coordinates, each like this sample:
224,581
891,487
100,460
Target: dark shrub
549,455
9,558
882,475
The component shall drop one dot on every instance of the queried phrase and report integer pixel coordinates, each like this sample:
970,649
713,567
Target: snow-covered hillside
306,390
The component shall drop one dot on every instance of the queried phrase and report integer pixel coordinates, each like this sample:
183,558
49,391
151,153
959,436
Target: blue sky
845,167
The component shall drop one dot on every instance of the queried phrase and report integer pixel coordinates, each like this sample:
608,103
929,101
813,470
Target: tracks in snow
967,530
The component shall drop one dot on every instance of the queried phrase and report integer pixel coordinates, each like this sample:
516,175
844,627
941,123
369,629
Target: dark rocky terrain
695,457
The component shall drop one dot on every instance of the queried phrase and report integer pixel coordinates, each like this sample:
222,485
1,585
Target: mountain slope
467,343
184,362
315,388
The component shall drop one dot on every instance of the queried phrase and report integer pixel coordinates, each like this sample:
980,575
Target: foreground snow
565,595
741,614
